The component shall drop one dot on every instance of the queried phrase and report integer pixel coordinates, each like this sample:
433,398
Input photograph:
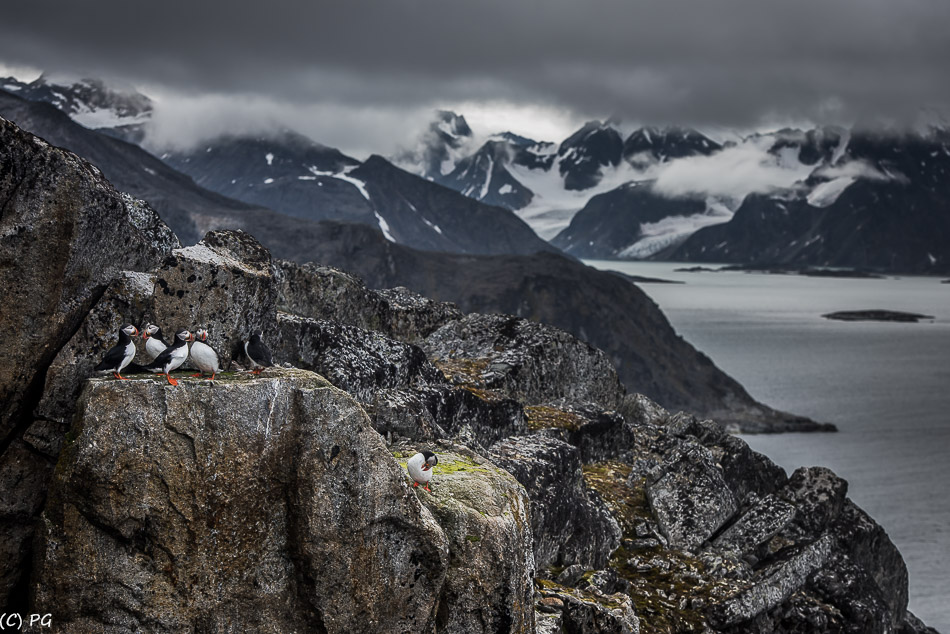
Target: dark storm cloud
731,62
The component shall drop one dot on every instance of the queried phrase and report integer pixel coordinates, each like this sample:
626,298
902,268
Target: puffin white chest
153,348
128,355
414,467
204,357
178,356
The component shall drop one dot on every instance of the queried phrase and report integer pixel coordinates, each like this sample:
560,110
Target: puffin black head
151,330
184,335
201,334
431,460
257,337
130,330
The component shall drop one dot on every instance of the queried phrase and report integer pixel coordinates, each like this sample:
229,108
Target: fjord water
885,385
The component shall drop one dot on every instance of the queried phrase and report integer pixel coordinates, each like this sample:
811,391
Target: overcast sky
364,75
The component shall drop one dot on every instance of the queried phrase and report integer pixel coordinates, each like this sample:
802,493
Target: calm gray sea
885,385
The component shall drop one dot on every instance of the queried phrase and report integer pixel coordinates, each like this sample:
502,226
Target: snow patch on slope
360,185
656,236
384,226
825,194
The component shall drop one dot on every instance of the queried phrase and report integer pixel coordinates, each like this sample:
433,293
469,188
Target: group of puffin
165,359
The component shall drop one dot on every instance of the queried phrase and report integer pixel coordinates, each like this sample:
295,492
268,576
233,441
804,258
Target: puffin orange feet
119,376
171,380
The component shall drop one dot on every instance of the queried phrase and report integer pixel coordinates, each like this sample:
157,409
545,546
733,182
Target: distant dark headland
876,315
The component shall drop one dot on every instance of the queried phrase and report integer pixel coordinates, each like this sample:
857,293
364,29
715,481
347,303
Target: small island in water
876,315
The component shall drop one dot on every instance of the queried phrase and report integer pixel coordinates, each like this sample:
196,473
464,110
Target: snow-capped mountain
286,172
484,176
89,102
800,197
291,174
446,141
651,145
548,183
582,157
879,201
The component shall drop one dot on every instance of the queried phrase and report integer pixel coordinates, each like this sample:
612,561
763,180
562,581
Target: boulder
356,360
690,498
756,526
484,512
326,293
224,284
474,417
863,542
126,300
402,414
254,504
65,233
772,585
819,495
433,411
570,522
744,470
528,361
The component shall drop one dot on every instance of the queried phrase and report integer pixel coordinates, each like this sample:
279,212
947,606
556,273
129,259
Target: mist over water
885,385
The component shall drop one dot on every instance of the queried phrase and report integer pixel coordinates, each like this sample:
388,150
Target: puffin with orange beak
203,356
154,341
172,357
420,468
121,354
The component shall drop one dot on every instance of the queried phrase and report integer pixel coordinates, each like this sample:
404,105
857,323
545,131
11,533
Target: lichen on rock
262,503
484,512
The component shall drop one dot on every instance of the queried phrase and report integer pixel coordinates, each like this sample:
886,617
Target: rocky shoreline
561,502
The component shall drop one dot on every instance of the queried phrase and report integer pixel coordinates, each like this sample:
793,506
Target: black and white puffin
154,341
121,354
420,468
172,357
203,356
258,353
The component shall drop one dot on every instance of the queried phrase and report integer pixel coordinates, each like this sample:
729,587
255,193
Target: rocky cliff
280,502
602,308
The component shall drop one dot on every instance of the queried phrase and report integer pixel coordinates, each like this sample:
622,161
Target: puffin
258,353
420,468
154,341
119,355
203,356
172,357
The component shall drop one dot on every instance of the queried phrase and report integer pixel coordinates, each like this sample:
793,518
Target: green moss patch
670,588
627,504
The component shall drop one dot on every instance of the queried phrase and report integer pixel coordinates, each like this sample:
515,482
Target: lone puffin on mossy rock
420,468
